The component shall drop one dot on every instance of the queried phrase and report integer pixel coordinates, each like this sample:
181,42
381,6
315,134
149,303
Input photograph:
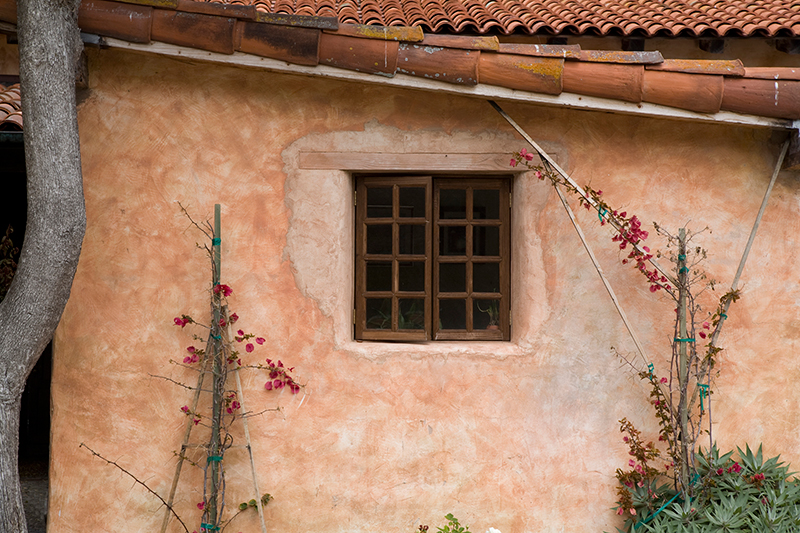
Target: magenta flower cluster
279,377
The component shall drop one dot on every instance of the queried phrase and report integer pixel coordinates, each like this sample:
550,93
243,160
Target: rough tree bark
49,48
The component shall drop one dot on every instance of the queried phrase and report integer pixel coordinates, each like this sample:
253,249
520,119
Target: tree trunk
49,49
12,516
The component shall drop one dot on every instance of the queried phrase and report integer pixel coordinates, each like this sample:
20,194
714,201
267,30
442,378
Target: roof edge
567,100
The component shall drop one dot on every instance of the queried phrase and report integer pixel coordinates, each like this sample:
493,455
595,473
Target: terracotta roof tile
10,108
693,85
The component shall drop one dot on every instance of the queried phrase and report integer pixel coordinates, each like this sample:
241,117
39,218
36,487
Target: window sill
481,349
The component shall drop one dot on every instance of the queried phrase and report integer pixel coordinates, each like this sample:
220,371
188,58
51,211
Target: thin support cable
552,164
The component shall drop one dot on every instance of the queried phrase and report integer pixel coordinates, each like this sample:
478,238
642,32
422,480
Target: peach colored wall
520,436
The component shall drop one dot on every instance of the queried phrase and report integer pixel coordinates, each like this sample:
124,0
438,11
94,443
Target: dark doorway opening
34,431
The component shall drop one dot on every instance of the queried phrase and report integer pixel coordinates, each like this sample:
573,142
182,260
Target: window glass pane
379,202
486,240
412,201
452,277
412,275
486,204
379,239
485,277
412,239
452,240
453,314
485,314
412,314
379,276
453,203
379,313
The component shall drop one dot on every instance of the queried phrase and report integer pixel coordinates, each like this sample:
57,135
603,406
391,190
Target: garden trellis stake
701,388
218,338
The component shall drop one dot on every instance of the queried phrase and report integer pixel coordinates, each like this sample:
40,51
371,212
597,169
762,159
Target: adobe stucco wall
521,436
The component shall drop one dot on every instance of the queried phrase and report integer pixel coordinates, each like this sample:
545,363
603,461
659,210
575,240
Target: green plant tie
703,393
681,257
216,241
217,336
676,339
650,368
723,315
216,458
209,527
683,269
637,525
601,213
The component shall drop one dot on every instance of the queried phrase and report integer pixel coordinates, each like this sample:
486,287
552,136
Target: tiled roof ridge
669,18
634,77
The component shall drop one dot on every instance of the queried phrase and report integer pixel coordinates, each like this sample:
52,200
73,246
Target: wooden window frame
432,258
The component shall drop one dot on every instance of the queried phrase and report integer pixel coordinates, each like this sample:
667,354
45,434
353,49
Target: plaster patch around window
319,193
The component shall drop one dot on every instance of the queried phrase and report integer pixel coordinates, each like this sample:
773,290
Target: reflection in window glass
453,314
486,277
453,203
452,240
412,239
379,276
412,202
379,202
379,239
452,277
486,204
412,275
486,240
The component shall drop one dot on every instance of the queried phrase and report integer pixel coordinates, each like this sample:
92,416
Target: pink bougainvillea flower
240,333
196,421
278,384
539,175
201,505
187,359
233,318
663,380
620,511
702,334
706,325
524,153
235,404
631,462
249,347
625,439
181,321
185,409
191,349
294,387
224,289
513,162
260,340
222,323
268,385
633,512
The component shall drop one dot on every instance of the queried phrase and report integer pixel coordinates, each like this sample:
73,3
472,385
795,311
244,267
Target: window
432,258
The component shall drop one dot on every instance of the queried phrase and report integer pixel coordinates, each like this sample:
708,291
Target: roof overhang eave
487,92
